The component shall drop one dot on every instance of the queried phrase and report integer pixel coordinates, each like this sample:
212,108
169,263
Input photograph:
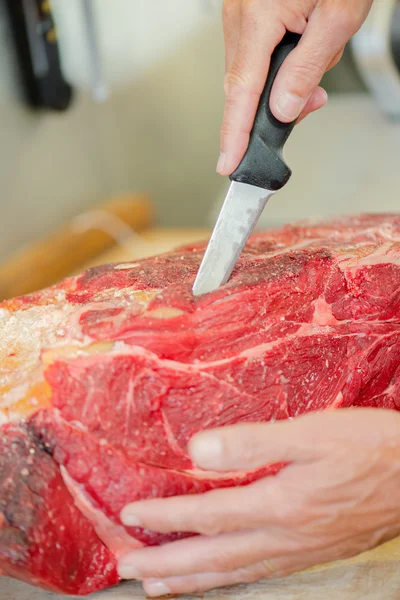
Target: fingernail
221,162
206,450
289,105
127,571
157,588
130,519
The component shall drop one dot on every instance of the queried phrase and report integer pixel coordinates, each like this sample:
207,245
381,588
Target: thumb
305,439
253,445
304,68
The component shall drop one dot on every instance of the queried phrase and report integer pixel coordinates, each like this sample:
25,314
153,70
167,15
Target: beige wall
157,133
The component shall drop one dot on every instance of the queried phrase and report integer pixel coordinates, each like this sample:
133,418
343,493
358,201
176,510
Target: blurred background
138,116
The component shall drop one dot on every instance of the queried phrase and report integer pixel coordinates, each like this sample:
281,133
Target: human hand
339,496
253,29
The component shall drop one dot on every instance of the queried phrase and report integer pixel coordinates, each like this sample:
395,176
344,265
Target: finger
244,82
285,550
318,99
323,553
218,511
219,554
202,582
303,440
253,445
303,69
231,25
272,568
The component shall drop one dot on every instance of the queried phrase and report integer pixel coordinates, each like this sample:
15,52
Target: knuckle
308,70
258,8
208,524
286,514
253,573
346,19
284,511
249,450
307,520
237,81
229,9
222,561
309,542
250,7
293,509
227,129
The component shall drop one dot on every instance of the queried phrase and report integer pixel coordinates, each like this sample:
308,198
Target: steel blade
238,217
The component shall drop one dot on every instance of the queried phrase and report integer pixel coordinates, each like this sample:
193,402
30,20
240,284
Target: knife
36,41
261,173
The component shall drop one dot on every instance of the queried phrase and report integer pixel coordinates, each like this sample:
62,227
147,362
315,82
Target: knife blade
239,214
260,174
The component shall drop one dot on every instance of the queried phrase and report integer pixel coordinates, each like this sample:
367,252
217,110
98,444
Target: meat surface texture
105,377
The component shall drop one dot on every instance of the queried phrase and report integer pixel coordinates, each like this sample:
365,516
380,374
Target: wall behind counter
157,133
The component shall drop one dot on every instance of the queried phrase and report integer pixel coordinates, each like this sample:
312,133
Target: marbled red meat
105,377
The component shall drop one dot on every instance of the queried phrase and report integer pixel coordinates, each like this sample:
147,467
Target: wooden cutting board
374,575
146,243
87,236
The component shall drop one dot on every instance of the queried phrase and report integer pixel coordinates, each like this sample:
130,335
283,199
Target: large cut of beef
105,377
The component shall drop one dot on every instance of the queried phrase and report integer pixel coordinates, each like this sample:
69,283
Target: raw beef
105,377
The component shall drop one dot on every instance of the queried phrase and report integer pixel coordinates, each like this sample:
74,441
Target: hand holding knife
260,174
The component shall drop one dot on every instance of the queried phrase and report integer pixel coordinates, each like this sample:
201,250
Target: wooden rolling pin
46,262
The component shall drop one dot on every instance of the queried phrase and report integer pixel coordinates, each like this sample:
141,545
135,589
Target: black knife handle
38,54
263,164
